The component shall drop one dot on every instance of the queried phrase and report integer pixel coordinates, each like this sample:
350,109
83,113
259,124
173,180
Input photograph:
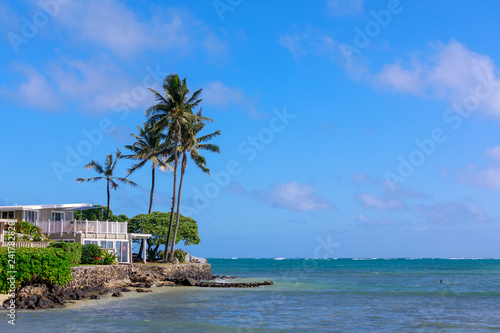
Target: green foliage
49,264
179,254
157,224
74,251
91,254
30,232
98,212
154,253
108,258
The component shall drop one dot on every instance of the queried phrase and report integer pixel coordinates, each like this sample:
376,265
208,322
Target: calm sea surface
316,295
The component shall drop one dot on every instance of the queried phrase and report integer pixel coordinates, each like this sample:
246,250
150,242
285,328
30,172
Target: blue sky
350,128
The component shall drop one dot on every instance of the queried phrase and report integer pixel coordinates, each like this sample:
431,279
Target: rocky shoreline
94,281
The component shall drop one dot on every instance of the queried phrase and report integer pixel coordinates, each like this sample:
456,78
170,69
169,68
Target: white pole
144,240
62,227
86,226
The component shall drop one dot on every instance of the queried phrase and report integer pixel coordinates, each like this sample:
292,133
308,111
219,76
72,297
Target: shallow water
316,295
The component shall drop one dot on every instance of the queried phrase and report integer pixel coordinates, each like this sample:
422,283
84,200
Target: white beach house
57,222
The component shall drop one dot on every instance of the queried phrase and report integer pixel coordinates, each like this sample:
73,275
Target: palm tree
148,147
190,145
107,173
171,113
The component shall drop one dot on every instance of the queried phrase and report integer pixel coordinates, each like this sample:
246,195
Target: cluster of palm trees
168,138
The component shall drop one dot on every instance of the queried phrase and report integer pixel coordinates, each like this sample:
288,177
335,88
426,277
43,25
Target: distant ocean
309,295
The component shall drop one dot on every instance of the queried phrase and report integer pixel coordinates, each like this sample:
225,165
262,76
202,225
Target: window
57,216
31,216
124,252
118,252
86,242
8,215
68,216
103,244
110,244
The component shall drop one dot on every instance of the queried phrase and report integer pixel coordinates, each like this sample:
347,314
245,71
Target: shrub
179,254
49,264
74,251
108,258
91,254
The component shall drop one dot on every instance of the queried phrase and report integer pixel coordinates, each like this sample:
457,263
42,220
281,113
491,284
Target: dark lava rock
126,290
190,282
235,284
117,294
45,303
224,277
139,290
95,297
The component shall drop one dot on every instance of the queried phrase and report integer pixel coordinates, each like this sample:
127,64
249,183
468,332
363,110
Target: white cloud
373,202
302,41
365,220
219,95
361,177
345,7
95,86
114,34
117,28
294,196
489,177
451,72
34,91
493,153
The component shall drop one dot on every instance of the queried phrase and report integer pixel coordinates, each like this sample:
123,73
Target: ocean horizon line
359,258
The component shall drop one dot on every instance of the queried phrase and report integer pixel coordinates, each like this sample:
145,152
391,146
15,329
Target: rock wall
90,280
99,277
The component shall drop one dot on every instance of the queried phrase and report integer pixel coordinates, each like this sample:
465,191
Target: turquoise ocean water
315,295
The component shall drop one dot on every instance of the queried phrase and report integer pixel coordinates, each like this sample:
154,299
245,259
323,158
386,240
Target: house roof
37,207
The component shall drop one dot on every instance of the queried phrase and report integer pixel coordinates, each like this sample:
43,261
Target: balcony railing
25,244
82,227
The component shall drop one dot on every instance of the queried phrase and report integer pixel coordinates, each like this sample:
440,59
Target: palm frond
91,179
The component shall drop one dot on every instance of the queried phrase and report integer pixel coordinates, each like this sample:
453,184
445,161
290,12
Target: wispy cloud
488,177
373,202
307,40
448,71
115,27
34,91
219,95
92,85
294,196
369,221
451,213
345,7
361,177
95,80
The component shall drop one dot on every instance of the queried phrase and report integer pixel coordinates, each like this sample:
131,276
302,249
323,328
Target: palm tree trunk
183,168
150,203
176,158
107,214
152,189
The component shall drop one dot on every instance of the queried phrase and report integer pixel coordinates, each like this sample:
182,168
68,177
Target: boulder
45,303
117,294
190,282
139,290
